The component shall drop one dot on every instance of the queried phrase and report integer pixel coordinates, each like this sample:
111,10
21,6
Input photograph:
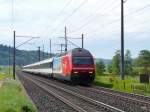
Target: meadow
130,84
13,97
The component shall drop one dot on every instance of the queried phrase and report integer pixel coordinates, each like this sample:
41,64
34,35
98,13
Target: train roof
80,52
40,62
76,52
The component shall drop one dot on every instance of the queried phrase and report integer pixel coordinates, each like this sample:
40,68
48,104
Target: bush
112,79
103,84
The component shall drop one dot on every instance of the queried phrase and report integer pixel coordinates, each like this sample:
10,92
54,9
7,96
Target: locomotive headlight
90,72
75,72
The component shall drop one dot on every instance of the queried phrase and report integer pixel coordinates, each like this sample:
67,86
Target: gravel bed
85,105
77,101
43,101
105,98
132,95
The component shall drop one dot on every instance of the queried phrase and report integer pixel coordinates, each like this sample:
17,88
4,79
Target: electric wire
73,43
117,20
91,14
74,11
60,13
90,21
70,15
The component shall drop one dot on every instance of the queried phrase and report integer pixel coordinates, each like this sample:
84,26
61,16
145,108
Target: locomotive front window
82,60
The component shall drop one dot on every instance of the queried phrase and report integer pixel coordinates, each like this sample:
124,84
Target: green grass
13,97
4,76
130,84
5,69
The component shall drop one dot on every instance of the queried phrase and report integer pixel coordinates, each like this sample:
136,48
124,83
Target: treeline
23,57
139,65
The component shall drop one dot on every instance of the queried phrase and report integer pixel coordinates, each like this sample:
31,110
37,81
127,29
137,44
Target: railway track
130,104
140,101
117,100
90,105
75,107
131,95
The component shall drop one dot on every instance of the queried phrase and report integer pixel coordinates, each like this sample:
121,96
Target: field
130,84
13,97
5,76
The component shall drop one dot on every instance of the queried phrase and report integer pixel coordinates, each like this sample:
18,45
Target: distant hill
23,57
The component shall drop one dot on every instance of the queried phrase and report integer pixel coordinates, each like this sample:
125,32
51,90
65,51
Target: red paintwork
66,65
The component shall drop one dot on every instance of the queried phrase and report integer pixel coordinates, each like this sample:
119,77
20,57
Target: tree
100,67
116,63
128,63
143,60
0,68
109,68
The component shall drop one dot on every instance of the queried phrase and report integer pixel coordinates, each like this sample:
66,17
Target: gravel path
43,101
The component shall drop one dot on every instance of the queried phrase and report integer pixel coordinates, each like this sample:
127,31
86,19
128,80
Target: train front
83,68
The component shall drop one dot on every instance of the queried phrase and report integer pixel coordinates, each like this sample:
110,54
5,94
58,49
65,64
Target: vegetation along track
116,100
79,102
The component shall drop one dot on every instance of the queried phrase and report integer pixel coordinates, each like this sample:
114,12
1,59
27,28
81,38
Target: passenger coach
76,65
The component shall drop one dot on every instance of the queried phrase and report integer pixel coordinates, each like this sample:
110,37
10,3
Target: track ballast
91,99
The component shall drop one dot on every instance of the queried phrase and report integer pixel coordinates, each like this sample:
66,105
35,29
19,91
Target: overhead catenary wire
67,4
115,34
137,25
116,20
74,11
73,43
90,21
70,15
61,12
99,7
12,14
57,16
105,25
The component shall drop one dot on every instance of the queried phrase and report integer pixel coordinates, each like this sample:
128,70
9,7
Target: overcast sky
99,20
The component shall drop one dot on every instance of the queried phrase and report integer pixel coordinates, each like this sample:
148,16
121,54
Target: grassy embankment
13,97
129,84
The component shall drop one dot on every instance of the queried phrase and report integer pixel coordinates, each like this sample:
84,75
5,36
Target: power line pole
14,55
122,40
15,47
9,58
65,39
82,41
50,48
39,53
47,54
43,51
61,48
